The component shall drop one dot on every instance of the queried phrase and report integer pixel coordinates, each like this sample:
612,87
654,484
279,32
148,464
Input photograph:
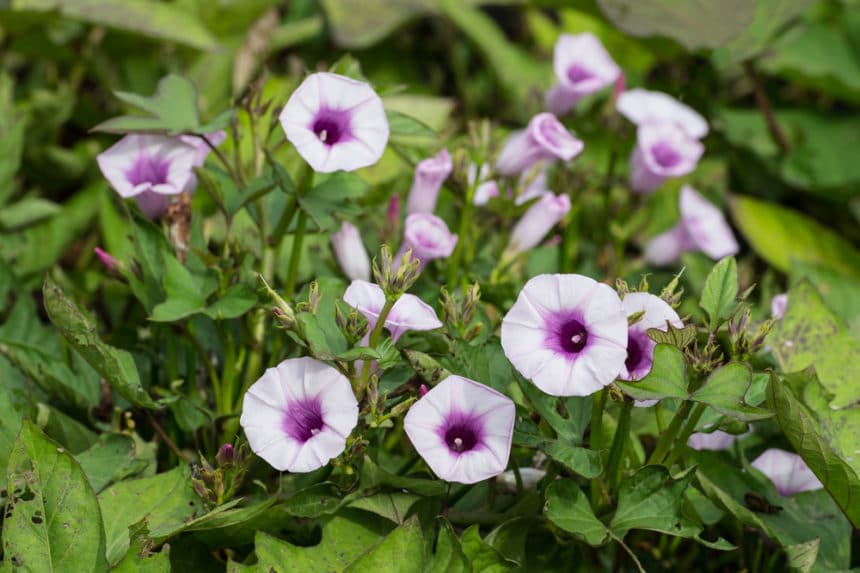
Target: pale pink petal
778,305
582,66
350,252
537,221
788,472
427,181
411,313
643,106
705,225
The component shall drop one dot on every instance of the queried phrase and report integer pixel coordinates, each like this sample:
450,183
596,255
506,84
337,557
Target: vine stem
763,103
668,437
689,428
375,335
597,407
462,234
613,469
296,254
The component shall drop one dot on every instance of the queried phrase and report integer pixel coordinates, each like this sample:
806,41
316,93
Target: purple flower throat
577,73
665,155
303,419
462,432
635,353
148,169
566,334
331,126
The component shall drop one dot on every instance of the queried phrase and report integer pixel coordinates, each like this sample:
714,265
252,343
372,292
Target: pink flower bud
422,390
538,221
544,138
350,252
428,237
107,259
225,455
778,305
427,181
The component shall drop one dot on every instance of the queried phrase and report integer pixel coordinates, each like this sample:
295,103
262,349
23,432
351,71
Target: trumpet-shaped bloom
532,184
350,252
408,313
149,168
462,429
778,305
582,66
662,150
788,472
428,237
702,228
487,189
640,347
545,138
716,440
336,123
567,334
537,221
644,107
298,415
427,181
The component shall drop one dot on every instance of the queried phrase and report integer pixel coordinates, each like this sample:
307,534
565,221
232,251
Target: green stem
668,437
689,428
375,335
597,406
462,234
613,466
296,254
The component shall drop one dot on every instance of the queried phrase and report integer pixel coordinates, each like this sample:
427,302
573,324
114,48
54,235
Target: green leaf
582,461
27,211
803,517
651,499
568,507
393,506
157,20
172,110
721,289
138,560
667,378
335,195
116,366
695,24
402,550
52,520
373,476
677,337
818,56
567,416
810,335
236,301
315,501
771,17
70,433
782,236
825,440
842,292
13,409
725,391
408,131
109,460
449,556
802,557
483,556
12,132
166,501
345,538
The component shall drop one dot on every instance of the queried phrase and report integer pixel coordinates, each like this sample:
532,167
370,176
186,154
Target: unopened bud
225,455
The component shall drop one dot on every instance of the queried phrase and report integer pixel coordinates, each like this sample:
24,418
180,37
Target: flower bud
427,181
538,221
225,455
428,237
350,252
544,138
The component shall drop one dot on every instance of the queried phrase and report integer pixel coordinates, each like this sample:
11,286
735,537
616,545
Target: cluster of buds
395,281
352,323
459,311
283,312
744,343
216,485
672,293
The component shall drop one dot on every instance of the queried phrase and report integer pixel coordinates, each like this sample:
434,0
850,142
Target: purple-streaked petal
428,237
365,297
706,226
410,313
545,138
662,150
582,66
537,221
429,175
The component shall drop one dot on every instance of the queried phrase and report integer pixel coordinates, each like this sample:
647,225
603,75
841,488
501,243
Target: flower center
573,336
461,437
665,155
303,420
331,126
148,169
577,73
634,353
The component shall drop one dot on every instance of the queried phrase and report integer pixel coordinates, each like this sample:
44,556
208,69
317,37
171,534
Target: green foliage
721,289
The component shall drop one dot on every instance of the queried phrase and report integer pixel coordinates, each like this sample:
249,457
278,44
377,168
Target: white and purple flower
702,228
640,347
716,440
567,334
429,175
788,472
336,123
462,429
545,138
298,415
582,67
647,107
663,150
428,237
408,313
537,221
350,252
150,168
